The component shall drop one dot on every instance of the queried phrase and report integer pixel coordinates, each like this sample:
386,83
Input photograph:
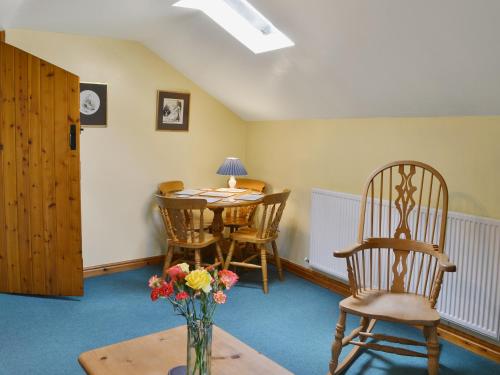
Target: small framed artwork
93,104
172,111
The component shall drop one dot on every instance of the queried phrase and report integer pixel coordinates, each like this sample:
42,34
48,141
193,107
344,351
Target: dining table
219,199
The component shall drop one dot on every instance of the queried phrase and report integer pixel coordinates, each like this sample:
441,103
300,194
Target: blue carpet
293,325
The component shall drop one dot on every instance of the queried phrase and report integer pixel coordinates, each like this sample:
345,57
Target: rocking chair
396,269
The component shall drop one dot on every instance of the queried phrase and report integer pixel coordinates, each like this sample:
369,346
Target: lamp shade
232,167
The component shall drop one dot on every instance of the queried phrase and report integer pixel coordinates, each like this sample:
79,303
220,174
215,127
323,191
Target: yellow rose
184,267
199,279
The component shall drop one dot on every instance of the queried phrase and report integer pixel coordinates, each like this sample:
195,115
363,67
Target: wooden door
40,224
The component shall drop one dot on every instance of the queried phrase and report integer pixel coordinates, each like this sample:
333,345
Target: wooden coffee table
157,353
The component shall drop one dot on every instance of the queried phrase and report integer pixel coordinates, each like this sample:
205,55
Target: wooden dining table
218,207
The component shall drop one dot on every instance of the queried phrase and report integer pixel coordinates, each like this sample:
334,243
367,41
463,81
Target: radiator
469,298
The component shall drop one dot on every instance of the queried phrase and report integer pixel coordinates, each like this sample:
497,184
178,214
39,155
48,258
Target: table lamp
232,167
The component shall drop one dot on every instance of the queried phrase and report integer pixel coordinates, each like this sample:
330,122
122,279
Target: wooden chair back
402,230
272,210
248,183
183,218
245,213
170,187
405,199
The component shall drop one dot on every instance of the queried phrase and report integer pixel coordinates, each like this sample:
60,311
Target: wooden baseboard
121,266
451,334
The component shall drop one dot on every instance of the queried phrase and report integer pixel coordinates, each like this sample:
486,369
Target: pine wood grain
157,353
40,245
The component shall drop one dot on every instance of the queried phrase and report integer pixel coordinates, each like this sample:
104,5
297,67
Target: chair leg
230,254
263,263
219,254
430,334
337,344
277,259
197,258
168,260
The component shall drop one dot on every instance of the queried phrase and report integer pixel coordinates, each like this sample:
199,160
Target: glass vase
199,347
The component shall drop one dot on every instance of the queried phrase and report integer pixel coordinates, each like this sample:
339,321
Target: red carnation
166,289
155,293
181,296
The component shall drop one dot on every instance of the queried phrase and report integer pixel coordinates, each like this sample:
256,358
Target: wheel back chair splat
396,269
182,218
237,217
273,206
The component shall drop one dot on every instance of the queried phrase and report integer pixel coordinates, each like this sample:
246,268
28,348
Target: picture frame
172,111
93,104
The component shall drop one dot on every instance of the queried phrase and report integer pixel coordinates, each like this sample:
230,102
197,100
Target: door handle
72,137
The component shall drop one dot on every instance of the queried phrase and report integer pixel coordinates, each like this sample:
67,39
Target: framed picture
93,104
172,111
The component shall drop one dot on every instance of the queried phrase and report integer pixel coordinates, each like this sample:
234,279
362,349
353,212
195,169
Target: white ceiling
352,58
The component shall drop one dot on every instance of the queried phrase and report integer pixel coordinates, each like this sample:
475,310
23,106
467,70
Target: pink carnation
220,297
175,273
154,282
228,278
181,296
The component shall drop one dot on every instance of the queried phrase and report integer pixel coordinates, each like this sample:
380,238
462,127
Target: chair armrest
445,264
347,252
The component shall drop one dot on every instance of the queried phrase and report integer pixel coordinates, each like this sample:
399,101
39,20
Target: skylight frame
267,38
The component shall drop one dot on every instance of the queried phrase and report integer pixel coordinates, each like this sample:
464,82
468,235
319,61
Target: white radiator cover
470,297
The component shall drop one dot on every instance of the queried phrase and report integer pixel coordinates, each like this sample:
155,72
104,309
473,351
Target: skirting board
121,266
453,335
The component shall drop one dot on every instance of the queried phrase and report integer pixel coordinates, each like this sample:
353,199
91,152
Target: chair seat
397,307
247,234
189,244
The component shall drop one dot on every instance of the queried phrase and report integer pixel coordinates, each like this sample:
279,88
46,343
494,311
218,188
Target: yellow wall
123,163
339,155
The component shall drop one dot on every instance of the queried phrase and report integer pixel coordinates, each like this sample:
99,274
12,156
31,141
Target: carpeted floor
293,325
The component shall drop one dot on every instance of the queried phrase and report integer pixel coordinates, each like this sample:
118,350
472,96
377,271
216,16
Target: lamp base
232,182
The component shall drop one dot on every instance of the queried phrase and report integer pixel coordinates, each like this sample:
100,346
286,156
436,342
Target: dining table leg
217,227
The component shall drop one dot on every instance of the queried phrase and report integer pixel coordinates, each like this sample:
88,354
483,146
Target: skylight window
240,19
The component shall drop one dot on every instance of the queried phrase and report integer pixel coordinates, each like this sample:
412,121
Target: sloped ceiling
353,58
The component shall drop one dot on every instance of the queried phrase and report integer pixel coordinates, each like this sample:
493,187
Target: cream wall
339,155
122,164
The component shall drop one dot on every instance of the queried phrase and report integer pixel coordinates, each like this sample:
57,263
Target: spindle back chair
236,217
168,187
396,269
265,233
184,225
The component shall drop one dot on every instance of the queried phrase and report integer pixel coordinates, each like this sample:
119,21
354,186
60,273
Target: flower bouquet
194,294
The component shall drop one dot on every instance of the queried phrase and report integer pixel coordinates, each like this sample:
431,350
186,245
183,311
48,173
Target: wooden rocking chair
396,269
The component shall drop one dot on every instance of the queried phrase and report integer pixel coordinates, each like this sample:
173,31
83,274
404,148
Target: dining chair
266,233
182,217
236,217
396,269
169,187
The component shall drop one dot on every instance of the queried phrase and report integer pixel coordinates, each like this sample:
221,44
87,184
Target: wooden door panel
9,167
74,185
36,176
40,248
22,167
